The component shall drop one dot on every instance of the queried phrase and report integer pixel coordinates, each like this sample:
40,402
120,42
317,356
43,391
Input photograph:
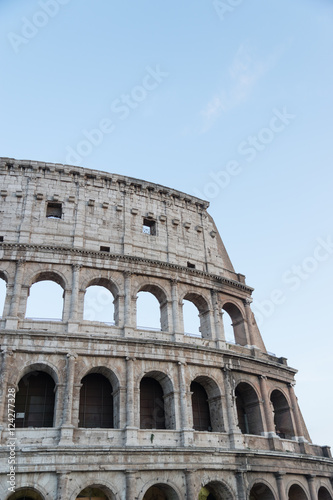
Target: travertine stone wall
184,258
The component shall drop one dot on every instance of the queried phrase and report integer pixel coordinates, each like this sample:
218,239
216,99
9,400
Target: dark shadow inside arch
248,410
34,402
323,494
96,402
157,405
200,408
296,493
93,493
160,492
215,490
152,413
206,405
282,415
261,492
26,494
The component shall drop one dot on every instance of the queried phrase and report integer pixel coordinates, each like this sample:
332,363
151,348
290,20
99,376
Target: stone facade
79,228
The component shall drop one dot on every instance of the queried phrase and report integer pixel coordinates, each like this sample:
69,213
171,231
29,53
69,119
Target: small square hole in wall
104,249
54,210
149,227
190,265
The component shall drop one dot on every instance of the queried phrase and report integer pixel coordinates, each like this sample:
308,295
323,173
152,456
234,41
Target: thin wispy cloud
242,75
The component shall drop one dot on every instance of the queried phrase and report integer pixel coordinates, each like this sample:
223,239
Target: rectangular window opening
54,210
104,249
149,227
1,239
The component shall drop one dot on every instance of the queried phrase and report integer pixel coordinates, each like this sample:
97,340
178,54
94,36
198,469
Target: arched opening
200,408
296,493
157,402
148,313
196,316
191,319
96,402
152,414
282,415
26,494
248,410
228,328
261,492
46,298
323,494
3,291
206,405
215,490
99,305
234,331
34,402
92,493
160,492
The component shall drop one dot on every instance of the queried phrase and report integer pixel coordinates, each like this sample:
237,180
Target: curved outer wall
99,239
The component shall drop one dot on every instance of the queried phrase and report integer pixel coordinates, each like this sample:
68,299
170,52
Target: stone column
235,435
16,296
248,313
175,307
312,487
131,429
71,302
67,427
62,480
240,485
191,493
216,329
230,403
270,426
75,292
131,485
127,300
298,424
183,396
185,407
222,334
280,485
7,357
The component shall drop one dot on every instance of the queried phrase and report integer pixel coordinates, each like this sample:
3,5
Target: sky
228,100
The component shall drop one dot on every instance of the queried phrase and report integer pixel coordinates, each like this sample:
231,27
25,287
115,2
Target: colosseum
112,410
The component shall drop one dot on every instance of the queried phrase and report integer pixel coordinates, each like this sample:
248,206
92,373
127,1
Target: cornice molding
125,258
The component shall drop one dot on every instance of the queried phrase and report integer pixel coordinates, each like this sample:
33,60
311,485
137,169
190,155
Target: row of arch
99,404
213,490
45,298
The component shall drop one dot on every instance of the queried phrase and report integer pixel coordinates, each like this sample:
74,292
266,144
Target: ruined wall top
54,204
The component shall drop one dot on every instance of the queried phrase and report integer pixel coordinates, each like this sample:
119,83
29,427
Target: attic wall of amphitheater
226,424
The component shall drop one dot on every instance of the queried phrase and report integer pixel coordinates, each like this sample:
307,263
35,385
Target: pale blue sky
223,80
